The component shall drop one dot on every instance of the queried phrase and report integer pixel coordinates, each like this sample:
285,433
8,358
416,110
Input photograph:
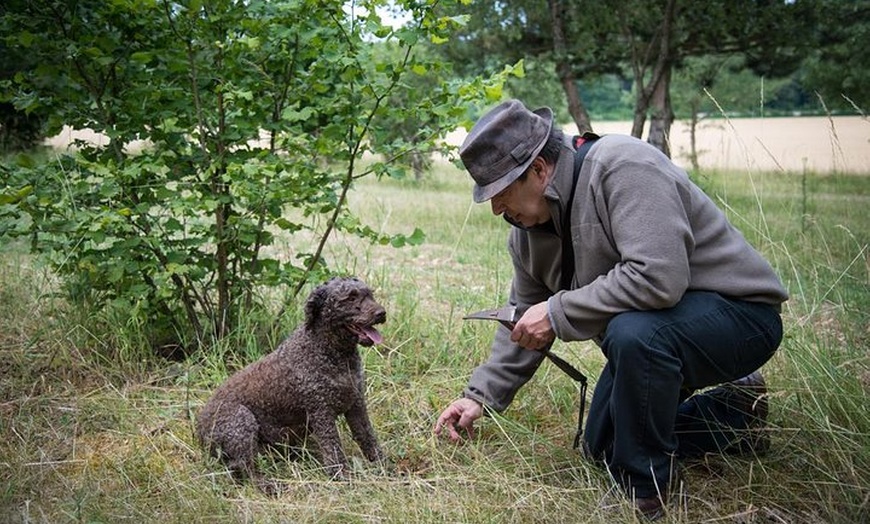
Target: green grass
95,429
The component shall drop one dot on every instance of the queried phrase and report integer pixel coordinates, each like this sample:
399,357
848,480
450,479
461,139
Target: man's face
523,201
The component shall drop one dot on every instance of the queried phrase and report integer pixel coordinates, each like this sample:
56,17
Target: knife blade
505,315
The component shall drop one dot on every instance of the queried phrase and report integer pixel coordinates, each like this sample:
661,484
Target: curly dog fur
297,392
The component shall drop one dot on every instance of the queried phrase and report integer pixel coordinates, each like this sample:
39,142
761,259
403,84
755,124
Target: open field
817,144
95,428
838,144
823,145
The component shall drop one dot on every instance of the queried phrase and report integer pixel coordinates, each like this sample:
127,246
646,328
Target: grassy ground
94,429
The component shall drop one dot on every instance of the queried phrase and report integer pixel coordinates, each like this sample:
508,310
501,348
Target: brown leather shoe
749,395
651,508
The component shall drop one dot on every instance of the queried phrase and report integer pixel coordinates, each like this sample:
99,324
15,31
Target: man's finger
442,421
453,434
466,422
447,420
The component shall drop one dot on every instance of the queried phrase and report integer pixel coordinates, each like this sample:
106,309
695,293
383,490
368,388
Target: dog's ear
314,305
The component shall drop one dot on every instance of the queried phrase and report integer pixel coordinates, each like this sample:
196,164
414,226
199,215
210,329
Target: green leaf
142,57
407,36
494,92
292,115
286,225
417,237
177,269
12,198
26,38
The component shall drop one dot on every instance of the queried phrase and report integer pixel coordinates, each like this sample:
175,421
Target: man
672,293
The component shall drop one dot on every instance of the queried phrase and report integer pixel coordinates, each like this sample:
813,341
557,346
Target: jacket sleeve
509,366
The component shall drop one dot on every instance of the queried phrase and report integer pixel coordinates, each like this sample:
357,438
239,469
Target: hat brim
483,193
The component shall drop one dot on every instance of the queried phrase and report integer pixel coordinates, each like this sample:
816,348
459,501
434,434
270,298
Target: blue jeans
642,416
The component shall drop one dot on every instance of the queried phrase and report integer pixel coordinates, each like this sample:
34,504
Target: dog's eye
356,296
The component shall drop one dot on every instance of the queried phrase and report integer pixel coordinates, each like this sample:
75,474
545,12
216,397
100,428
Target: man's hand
459,415
534,331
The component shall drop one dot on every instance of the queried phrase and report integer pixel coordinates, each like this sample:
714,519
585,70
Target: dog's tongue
373,334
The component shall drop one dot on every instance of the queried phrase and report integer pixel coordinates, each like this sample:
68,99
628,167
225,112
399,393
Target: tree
558,33
250,109
661,35
563,67
838,68
586,39
406,132
19,129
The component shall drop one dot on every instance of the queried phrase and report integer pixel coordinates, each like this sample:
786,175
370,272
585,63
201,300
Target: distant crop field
818,144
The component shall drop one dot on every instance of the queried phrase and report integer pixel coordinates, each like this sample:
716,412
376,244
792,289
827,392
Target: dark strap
574,373
582,144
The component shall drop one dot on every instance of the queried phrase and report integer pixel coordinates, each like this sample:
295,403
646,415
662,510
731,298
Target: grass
95,429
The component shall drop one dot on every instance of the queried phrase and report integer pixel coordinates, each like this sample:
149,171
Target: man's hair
550,152
552,148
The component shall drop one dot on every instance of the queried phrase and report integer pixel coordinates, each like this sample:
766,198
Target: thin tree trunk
660,94
639,120
663,114
641,98
221,218
418,164
564,70
656,93
693,136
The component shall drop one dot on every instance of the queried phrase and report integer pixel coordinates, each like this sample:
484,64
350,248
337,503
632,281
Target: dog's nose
380,315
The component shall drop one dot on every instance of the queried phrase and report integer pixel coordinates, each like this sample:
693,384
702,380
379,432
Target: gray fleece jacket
643,234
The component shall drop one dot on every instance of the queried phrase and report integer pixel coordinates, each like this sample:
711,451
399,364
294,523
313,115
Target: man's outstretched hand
461,414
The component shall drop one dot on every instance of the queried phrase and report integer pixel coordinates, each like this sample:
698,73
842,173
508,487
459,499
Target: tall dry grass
96,429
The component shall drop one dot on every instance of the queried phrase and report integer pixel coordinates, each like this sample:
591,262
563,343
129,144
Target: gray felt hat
502,145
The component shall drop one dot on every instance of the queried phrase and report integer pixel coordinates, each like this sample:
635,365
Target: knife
507,316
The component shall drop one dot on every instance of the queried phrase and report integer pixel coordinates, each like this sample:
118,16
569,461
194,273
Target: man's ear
541,170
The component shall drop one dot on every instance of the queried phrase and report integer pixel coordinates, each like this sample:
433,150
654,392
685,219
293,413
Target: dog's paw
339,472
269,487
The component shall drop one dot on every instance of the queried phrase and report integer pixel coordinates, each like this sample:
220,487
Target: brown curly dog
297,392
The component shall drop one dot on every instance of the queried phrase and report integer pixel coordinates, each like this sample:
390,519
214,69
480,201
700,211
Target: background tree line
610,60
654,60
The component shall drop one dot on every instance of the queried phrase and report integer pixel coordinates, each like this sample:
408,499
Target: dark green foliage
19,131
20,128
838,68
247,110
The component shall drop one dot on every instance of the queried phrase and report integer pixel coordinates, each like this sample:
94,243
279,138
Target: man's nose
497,206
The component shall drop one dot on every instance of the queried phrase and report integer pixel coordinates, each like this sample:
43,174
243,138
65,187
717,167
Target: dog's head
349,304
